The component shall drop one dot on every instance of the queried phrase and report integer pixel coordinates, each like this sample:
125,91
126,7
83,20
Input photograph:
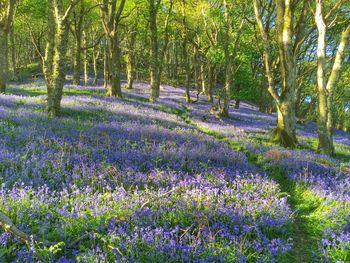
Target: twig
158,197
9,227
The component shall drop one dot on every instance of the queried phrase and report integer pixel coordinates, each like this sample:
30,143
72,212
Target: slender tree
79,24
186,59
7,12
111,15
130,39
230,55
326,88
157,53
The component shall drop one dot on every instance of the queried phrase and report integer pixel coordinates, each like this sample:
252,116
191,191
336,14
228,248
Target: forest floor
247,122
197,186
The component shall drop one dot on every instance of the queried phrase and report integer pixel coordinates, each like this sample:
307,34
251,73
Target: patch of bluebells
118,181
328,180
335,243
323,175
330,187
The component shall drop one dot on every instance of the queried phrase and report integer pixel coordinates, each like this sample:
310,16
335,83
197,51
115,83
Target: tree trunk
188,82
265,102
334,77
188,70
238,100
326,89
105,68
168,64
325,143
185,54
3,60
227,90
86,61
86,68
211,82
154,66
55,56
57,78
130,70
285,134
228,63
77,61
196,70
203,79
7,11
285,101
111,12
54,97
285,131
131,37
114,88
157,56
176,64
13,55
96,56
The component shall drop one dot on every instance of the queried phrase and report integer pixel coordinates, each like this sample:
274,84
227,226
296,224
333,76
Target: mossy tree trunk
54,61
105,67
238,100
154,69
228,62
326,89
95,55
157,54
203,78
77,27
114,56
3,59
186,58
111,16
212,33
130,68
284,133
7,11
230,57
335,75
86,60
196,68
77,60
131,56
13,55
325,143
211,81
285,130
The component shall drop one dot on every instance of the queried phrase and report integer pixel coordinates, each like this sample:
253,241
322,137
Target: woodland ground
129,181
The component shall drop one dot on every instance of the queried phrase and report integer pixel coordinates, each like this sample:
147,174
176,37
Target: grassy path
304,241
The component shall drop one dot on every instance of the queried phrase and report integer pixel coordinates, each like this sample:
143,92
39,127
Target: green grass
73,91
82,115
306,230
342,152
35,91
